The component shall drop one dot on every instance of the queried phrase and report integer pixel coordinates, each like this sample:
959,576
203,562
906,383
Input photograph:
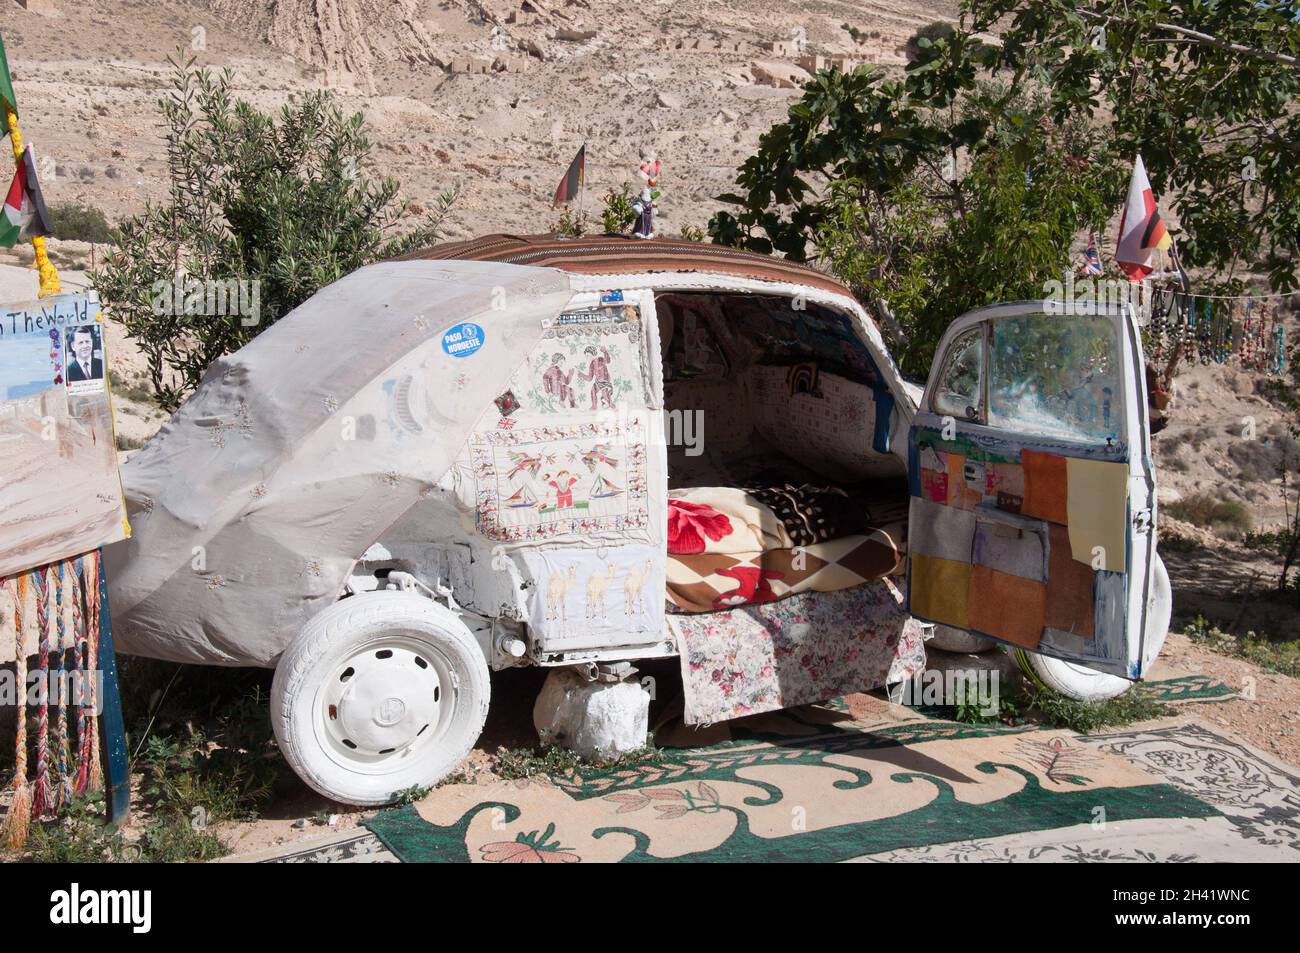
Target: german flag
1141,230
569,186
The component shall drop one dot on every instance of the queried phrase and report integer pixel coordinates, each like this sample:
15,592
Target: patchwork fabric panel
708,582
1045,486
795,652
1030,529
1011,545
941,590
1088,497
1097,512
1006,605
1070,599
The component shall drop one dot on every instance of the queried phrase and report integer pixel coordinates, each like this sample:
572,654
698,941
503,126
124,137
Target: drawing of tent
603,489
522,497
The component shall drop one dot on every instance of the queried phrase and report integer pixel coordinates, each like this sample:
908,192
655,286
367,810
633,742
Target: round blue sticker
462,340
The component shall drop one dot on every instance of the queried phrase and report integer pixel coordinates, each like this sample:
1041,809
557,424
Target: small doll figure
644,205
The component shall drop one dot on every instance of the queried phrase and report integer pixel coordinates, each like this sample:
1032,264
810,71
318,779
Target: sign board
60,493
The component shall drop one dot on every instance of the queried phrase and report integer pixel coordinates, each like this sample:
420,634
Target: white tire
379,693
1082,683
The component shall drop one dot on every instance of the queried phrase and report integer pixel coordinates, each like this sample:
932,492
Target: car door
1032,512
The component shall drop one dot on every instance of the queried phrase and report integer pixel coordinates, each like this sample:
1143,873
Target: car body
393,433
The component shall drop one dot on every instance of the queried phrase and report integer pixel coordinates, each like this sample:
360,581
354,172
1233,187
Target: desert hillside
494,96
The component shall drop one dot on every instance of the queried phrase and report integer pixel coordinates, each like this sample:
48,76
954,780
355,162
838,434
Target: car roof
621,254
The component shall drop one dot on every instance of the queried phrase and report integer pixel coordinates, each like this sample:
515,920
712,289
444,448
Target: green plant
174,838
1224,516
1205,92
547,758
513,764
1087,717
1282,657
81,836
137,391
1173,543
227,774
410,795
617,217
270,207
74,221
571,223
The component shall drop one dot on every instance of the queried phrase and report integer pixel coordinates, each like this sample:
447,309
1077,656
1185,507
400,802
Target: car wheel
379,693
1084,684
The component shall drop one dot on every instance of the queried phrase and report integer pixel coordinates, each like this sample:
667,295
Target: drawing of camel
633,584
558,591
596,587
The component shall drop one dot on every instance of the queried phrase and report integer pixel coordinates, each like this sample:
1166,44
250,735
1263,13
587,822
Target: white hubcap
384,701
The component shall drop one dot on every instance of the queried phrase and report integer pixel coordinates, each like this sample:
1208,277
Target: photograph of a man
83,357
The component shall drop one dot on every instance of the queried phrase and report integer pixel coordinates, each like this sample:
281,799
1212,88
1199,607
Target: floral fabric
803,649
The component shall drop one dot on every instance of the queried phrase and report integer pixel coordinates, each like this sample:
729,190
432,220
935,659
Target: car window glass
1057,376
958,393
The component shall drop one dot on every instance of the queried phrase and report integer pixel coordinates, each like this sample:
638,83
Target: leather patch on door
1008,607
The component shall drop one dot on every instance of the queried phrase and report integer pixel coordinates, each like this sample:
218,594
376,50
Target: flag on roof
572,181
1091,260
7,99
1141,230
24,216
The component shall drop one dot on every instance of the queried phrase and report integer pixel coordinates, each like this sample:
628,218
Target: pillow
709,519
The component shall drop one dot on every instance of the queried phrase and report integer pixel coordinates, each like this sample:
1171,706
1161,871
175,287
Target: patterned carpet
824,784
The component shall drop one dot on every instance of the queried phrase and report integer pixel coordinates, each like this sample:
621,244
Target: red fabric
689,523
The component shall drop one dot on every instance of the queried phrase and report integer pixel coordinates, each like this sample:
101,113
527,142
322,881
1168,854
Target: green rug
813,784
1187,688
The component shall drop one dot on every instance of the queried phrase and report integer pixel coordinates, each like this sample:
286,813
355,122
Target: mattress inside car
727,548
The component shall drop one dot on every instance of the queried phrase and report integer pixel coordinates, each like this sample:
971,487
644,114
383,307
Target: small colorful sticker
462,340
611,297
507,403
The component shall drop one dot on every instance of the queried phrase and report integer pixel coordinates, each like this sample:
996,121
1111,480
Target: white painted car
362,498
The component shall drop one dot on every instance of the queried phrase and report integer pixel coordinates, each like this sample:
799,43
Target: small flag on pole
571,184
1141,230
24,216
8,102
1091,260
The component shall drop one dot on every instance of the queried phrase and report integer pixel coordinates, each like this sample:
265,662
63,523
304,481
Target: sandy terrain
504,138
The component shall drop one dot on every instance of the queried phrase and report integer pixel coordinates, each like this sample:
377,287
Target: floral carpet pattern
796,651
